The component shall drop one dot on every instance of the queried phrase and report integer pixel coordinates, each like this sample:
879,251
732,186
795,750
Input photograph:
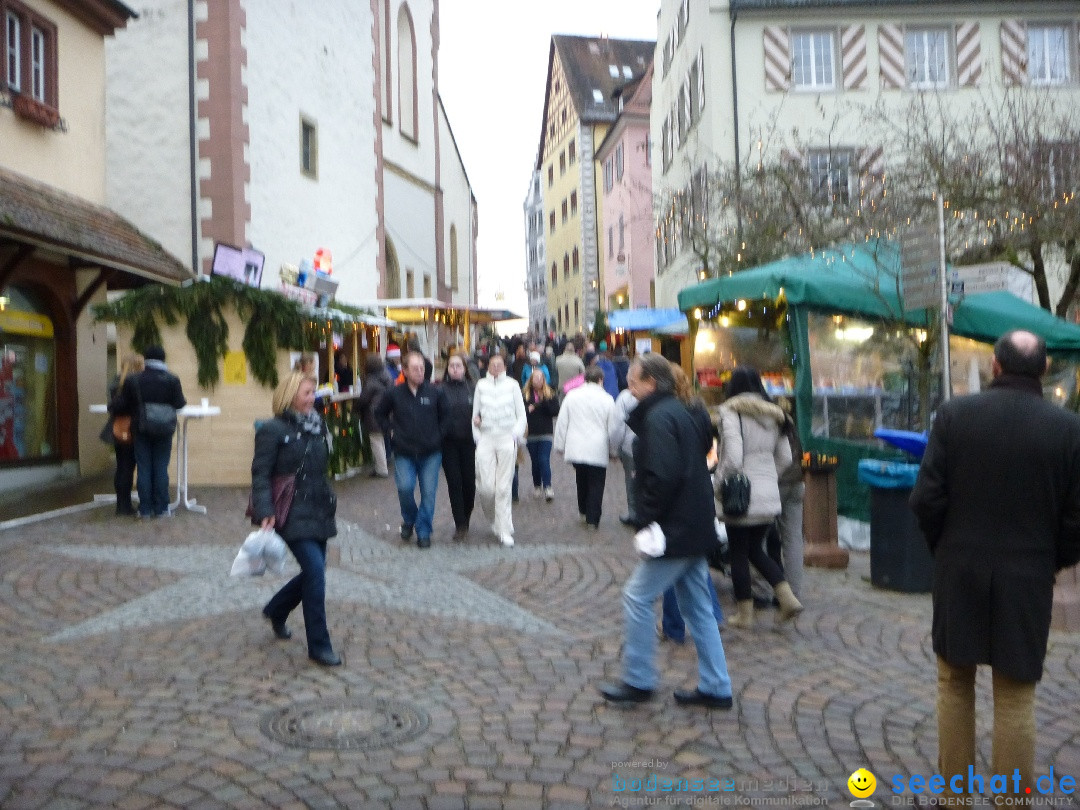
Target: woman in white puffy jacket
582,435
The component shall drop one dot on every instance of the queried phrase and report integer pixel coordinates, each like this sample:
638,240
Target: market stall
829,332
647,329
438,323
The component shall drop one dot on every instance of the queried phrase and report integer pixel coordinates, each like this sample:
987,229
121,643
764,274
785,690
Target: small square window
627,73
927,56
614,71
309,148
1048,54
813,66
598,96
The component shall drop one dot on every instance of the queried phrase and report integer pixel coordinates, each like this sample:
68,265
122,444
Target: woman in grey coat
752,442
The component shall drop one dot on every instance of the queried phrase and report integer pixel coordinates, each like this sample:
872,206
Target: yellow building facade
579,108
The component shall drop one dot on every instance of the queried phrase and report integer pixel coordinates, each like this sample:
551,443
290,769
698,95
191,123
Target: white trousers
496,458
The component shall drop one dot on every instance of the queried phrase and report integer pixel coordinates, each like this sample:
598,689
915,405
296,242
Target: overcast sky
492,70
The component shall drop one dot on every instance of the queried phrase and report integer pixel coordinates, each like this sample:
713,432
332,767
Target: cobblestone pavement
134,673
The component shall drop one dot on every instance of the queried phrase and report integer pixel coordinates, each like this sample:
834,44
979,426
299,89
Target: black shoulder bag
735,489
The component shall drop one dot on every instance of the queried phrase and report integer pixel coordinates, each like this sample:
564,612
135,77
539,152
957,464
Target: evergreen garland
272,322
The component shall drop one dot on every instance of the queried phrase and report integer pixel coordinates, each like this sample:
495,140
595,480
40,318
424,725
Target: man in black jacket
673,490
413,414
998,498
153,449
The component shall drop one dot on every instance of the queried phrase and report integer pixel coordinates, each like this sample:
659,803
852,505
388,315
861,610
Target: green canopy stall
829,331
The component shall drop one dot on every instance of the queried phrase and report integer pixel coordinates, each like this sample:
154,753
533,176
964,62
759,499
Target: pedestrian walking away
672,491
294,443
499,428
752,442
583,436
458,448
154,386
376,383
622,438
541,407
413,414
124,444
998,500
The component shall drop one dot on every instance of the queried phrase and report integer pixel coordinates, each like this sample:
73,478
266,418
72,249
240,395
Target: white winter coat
584,426
759,449
499,404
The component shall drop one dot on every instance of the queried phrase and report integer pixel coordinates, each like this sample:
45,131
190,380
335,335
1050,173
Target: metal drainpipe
192,146
735,120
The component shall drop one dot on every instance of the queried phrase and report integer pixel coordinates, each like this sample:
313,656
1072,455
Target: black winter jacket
149,385
282,448
672,486
459,396
417,421
541,419
375,385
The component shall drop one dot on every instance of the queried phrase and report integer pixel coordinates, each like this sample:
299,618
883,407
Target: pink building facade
627,223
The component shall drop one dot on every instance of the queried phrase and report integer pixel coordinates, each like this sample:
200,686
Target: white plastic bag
263,550
650,541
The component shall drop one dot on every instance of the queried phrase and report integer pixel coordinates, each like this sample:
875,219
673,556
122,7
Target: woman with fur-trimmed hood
752,441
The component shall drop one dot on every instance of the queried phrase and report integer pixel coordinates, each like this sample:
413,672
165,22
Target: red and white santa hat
393,351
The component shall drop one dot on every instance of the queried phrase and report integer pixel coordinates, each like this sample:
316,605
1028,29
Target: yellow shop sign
14,322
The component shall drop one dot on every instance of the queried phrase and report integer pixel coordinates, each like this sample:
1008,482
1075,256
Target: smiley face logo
861,783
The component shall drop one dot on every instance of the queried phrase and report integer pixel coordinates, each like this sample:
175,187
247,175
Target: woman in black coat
294,443
376,381
458,448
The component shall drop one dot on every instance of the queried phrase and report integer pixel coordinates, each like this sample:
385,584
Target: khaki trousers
1014,725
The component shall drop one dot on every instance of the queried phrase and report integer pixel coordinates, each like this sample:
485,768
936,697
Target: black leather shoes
278,626
423,542
326,659
624,693
695,697
406,531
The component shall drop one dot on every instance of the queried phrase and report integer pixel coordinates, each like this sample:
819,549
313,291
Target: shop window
28,419
865,377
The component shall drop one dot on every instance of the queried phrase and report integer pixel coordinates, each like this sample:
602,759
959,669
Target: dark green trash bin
899,557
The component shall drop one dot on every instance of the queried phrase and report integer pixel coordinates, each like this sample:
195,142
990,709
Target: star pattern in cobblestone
371,572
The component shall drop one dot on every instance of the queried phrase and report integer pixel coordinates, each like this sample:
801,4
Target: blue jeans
689,576
309,588
407,469
152,454
540,453
673,624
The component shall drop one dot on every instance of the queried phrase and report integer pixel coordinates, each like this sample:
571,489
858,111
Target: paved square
134,673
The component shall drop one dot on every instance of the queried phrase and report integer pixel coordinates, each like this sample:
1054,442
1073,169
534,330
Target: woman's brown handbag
282,492
121,430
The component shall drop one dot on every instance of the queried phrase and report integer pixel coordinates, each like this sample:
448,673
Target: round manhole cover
359,725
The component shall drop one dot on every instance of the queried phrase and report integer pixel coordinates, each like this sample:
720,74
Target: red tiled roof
35,213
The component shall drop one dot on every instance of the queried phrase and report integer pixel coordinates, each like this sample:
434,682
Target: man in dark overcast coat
998,499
